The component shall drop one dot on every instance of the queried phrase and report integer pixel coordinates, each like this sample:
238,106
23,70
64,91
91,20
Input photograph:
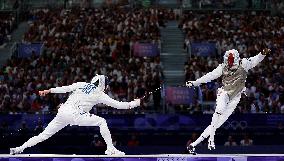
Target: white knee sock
106,134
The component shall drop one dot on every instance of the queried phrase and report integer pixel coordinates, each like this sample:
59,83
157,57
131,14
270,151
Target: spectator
230,141
97,142
7,24
246,141
133,141
98,145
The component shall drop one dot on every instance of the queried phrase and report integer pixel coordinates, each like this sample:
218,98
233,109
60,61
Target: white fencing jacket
85,95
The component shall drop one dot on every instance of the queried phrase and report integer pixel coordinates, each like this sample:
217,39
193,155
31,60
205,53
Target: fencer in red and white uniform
75,111
234,73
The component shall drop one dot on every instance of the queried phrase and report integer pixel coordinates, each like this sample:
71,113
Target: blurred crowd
277,7
79,44
249,33
232,4
214,3
7,24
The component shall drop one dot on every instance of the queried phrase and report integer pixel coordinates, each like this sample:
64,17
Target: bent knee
102,122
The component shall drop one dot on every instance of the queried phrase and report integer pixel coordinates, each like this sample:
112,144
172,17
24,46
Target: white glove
134,103
189,84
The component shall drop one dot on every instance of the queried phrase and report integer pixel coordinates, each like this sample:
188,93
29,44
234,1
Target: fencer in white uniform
75,111
234,73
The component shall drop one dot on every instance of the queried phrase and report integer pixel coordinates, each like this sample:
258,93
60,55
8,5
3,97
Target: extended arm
216,73
105,99
253,61
63,89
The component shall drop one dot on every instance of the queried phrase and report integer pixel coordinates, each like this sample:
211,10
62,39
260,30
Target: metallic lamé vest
234,80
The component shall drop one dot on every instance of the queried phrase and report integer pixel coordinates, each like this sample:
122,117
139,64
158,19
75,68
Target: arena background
141,46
